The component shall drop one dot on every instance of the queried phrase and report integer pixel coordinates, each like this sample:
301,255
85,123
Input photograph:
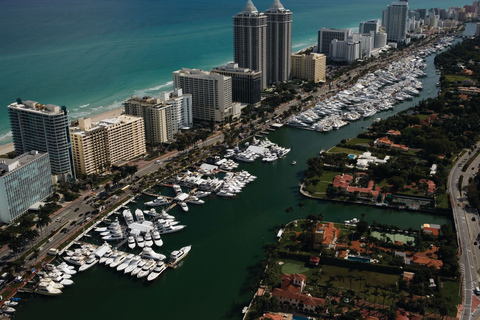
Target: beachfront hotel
163,117
309,66
396,21
25,181
279,43
246,83
250,40
211,93
327,35
43,128
100,145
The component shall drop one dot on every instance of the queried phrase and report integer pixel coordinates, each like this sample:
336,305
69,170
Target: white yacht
112,257
148,253
139,215
10,303
178,255
46,289
183,206
65,268
195,200
224,193
7,309
148,239
201,194
146,269
127,215
166,216
170,229
131,242
139,267
125,262
140,241
159,268
156,238
118,260
159,201
177,189
91,261
132,265
51,283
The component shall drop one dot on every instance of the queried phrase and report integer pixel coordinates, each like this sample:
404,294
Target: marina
236,229
375,92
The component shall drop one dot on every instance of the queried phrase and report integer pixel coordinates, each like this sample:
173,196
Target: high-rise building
43,128
309,66
250,40
246,83
369,25
279,43
326,35
163,117
211,93
396,26
104,143
24,181
422,13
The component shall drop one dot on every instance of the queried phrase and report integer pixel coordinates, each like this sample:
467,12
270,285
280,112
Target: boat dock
151,194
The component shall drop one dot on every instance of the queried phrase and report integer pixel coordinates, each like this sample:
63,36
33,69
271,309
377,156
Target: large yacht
159,201
178,255
159,268
146,269
156,238
46,289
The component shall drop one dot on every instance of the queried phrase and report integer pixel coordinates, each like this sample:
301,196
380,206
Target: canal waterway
215,280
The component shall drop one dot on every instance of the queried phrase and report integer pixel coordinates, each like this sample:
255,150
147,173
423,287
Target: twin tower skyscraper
263,41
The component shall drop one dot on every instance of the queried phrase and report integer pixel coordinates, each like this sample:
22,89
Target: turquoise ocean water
90,55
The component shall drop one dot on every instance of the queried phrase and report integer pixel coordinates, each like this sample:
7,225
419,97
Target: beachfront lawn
345,150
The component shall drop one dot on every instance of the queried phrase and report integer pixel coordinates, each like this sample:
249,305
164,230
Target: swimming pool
359,259
300,318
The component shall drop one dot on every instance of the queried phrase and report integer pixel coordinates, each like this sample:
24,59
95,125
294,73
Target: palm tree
360,278
301,205
350,279
375,294
35,254
320,217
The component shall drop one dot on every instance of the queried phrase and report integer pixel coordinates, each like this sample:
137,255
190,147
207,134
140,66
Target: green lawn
442,201
291,268
422,116
451,289
322,182
345,150
455,77
359,141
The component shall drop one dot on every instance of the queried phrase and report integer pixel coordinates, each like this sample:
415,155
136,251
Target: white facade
211,93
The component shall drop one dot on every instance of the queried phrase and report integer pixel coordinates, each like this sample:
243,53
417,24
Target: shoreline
7,148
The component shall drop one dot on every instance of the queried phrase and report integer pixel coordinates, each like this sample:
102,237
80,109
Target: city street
468,229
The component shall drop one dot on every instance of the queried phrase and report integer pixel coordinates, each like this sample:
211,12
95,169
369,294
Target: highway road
468,228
